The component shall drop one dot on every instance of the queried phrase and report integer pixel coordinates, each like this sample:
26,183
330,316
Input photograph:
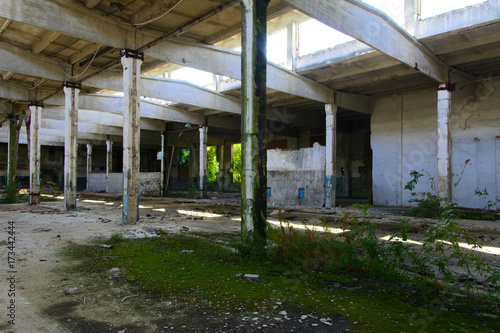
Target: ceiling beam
465,18
374,28
23,62
69,18
152,11
114,104
228,63
170,90
351,51
46,40
7,75
81,54
91,117
4,26
275,11
15,91
92,3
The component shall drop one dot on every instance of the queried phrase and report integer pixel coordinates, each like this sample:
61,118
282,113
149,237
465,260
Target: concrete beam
465,18
171,90
69,18
228,63
375,29
149,110
354,50
92,3
152,10
15,91
46,40
5,108
20,61
4,26
353,102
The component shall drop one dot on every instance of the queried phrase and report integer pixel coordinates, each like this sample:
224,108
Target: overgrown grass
307,272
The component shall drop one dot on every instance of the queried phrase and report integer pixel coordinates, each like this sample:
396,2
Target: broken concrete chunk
251,276
72,291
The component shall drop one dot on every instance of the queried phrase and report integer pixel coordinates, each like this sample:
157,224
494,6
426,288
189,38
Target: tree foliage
212,164
236,163
184,157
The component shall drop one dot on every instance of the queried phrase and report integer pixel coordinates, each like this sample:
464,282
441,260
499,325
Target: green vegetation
11,195
236,163
184,155
383,286
212,164
431,206
115,238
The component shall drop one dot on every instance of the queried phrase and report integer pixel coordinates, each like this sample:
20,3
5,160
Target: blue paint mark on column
269,192
302,193
125,208
328,191
138,202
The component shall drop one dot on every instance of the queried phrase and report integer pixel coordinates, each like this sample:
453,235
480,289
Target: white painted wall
404,138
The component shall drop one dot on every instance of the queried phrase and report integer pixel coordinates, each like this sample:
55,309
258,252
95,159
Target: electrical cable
85,70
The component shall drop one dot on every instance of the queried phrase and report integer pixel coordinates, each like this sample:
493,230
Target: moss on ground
204,272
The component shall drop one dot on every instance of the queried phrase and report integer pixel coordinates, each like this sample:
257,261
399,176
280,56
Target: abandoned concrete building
91,91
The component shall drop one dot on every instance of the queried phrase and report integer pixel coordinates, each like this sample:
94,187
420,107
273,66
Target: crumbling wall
404,138
296,177
150,183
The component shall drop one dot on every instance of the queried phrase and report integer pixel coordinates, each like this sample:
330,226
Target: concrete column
34,149
444,143
412,13
131,61
331,154
202,180
89,163
163,162
292,45
109,161
12,157
253,123
71,91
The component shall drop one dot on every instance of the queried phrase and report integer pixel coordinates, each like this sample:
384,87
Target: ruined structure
87,88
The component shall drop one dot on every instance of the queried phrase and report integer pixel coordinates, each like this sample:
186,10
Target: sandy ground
40,277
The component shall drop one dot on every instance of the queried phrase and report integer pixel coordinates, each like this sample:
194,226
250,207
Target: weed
11,195
115,238
219,208
428,204
48,187
490,204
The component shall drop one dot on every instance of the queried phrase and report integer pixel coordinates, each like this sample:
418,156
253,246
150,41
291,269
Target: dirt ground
42,278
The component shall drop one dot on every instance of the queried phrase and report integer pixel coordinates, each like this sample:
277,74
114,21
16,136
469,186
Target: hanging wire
160,16
88,66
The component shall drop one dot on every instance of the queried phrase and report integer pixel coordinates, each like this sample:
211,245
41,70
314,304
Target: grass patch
203,272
